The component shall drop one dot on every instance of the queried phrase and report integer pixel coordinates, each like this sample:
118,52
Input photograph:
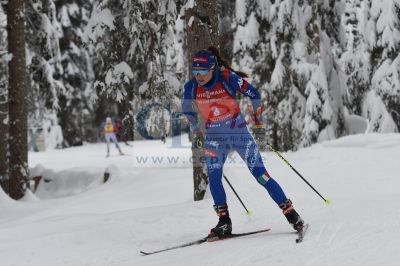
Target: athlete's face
203,75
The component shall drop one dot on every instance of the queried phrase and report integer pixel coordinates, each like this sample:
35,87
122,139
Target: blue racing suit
226,129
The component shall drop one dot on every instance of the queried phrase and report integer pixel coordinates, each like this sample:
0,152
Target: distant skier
109,134
213,89
164,138
119,130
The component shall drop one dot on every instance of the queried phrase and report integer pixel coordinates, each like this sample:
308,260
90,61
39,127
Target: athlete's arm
187,105
239,84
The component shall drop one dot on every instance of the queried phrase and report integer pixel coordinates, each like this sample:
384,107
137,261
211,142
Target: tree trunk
226,11
128,119
202,31
17,96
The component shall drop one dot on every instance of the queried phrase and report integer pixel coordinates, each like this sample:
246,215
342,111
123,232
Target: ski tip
328,201
144,253
249,213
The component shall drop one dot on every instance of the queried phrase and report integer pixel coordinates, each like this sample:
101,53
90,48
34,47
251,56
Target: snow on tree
43,58
283,43
157,22
100,33
384,17
136,34
131,54
106,35
355,58
318,113
382,104
60,68
331,52
383,33
371,38
253,43
3,102
161,85
76,112
379,120
176,63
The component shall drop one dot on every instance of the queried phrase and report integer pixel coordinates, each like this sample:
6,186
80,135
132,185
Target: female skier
213,89
109,134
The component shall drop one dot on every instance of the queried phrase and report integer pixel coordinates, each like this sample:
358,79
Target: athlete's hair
224,63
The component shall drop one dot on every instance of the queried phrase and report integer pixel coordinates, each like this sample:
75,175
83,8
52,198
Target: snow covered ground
76,220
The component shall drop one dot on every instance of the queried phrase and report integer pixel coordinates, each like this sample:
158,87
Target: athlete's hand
259,133
198,139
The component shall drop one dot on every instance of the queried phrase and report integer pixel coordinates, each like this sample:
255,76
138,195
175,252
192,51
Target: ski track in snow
150,207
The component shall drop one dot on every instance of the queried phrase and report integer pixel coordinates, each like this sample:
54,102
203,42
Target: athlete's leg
215,156
216,152
114,139
107,137
249,152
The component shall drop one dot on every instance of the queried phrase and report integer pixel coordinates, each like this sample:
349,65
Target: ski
197,242
301,233
213,239
206,239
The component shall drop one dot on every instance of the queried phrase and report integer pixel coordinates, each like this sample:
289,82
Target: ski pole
327,201
234,191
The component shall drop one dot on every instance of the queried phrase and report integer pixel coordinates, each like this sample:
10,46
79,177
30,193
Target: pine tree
318,116
132,50
158,87
355,57
107,36
383,35
271,53
176,53
107,31
76,102
43,60
331,52
255,53
284,43
318,111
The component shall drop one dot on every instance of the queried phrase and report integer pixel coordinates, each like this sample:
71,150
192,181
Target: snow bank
29,197
56,184
355,124
5,200
152,208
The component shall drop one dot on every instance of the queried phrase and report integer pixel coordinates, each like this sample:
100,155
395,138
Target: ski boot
224,226
291,215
